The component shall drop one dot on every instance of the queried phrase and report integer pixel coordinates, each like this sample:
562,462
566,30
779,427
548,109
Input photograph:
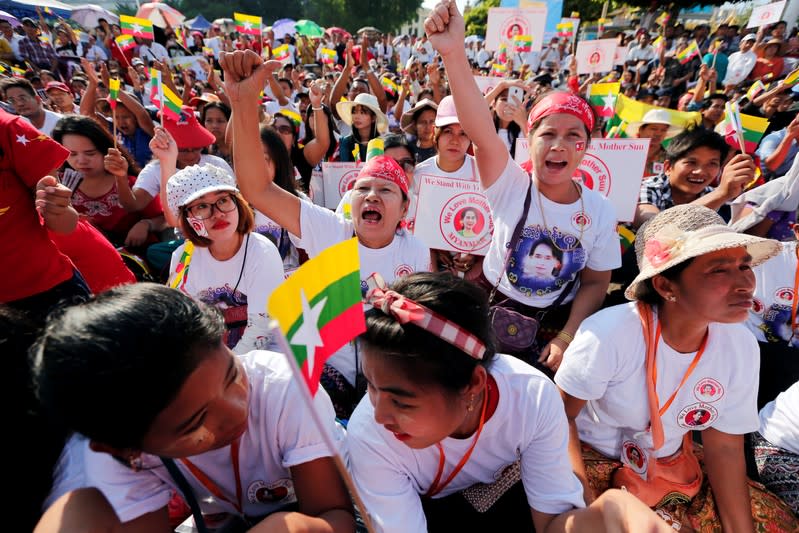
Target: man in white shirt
385,52
643,51
404,50
94,52
150,50
423,50
13,38
21,94
483,55
741,63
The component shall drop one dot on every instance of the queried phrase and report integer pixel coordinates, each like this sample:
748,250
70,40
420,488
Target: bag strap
514,239
188,494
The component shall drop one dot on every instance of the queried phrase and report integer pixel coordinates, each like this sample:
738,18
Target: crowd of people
590,353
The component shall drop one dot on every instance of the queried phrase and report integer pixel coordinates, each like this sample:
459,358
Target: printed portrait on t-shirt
544,261
233,305
776,325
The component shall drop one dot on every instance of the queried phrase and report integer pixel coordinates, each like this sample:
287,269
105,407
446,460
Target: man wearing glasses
22,96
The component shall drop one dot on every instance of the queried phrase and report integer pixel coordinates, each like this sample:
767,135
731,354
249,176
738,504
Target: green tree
267,9
385,15
125,7
476,18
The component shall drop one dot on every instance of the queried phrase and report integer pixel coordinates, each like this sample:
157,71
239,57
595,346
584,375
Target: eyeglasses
285,130
407,163
203,211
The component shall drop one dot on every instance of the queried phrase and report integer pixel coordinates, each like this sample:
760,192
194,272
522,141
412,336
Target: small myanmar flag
137,27
791,78
498,69
155,83
208,51
18,72
522,43
180,35
663,19
249,24
618,131
502,53
603,96
113,91
753,129
374,148
319,309
389,85
688,53
754,90
172,103
659,43
626,237
565,29
183,265
125,42
281,53
328,55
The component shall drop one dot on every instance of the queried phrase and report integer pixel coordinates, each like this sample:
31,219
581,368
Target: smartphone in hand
515,92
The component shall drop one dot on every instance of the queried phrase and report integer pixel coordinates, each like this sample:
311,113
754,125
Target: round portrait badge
708,390
281,490
465,222
697,416
635,456
347,180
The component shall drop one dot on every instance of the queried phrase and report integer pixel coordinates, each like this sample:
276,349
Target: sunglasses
407,163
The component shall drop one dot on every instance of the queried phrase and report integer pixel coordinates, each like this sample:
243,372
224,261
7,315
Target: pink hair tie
405,311
561,102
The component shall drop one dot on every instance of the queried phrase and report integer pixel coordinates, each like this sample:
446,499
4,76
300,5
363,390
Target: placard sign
338,178
505,22
595,56
612,167
486,83
767,14
453,215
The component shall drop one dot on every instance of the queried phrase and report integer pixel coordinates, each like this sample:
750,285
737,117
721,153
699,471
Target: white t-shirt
239,288
322,228
151,51
404,52
149,179
282,239
606,365
538,271
739,66
429,167
529,424
280,435
779,420
50,120
770,315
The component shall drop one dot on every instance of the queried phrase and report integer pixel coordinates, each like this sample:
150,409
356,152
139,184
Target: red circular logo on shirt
697,416
403,270
785,294
708,390
757,306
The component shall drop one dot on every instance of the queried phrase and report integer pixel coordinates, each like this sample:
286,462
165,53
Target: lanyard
688,372
213,487
435,488
795,297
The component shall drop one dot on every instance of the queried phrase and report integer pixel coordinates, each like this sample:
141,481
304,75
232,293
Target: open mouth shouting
555,166
370,215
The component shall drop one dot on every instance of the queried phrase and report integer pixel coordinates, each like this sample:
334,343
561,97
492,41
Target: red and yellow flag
249,24
113,92
319,309
136,27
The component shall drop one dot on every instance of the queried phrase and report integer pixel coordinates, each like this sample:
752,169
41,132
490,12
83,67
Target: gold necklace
582,225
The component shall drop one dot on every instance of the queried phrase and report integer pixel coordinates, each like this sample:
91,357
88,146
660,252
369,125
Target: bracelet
320,108
565,337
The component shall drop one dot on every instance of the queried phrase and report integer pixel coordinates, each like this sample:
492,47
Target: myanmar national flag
791,78
281,53
498,69
752,127
626,237
502,53
389,85
328,56
603,96
125,42
565,29
249,24
688,53
522,43
180,36
319,309
113,92
663,19
136,27
375,148
155,84
629,110
172,104
754,90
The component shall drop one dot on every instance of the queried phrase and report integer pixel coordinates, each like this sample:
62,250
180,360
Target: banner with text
612,167
767,14
595,56
453,214
505,22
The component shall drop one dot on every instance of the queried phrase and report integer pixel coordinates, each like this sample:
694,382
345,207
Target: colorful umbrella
309,28
341,31
161,15
89,15
11,19
283,26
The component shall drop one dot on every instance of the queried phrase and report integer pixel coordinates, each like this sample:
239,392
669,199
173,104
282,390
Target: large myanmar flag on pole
319,308
137,27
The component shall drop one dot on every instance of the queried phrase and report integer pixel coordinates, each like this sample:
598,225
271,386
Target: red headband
562,102
404,310
386,168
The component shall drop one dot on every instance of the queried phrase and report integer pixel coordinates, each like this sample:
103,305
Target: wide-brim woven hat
684,232
188,184
367,100
654,116
408,119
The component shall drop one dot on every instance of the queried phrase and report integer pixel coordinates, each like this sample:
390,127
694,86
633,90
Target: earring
672,298
470,407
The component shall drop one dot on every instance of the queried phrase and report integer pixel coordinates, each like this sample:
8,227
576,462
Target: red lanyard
435,488
688,372
213,487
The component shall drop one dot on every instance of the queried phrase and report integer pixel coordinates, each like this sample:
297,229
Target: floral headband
404,310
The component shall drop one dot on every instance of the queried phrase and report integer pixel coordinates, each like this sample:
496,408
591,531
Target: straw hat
367,100
654,116
686,231
408,122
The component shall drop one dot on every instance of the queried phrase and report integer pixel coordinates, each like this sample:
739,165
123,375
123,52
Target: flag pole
114,121
283,343
161,96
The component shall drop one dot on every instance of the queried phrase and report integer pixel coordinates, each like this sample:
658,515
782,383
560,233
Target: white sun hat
188,184
367,100
654,116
